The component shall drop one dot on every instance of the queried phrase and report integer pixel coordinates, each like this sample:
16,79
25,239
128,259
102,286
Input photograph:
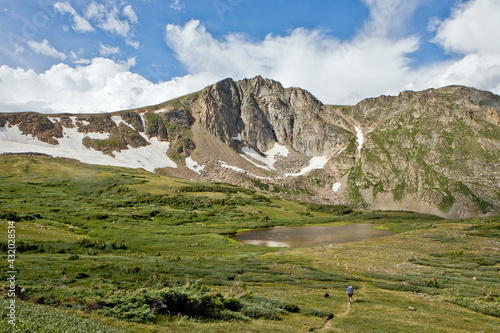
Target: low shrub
487,308
115,245
87,242
332,209
256,311
316,313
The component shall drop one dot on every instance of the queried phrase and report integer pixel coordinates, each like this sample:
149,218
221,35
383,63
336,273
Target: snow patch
143,123
97,136
234,168
13,136
271,156
336,187
160,111
238,137
317,162
84,122
227,166
149,157
117,119
54,119
359,137
193,165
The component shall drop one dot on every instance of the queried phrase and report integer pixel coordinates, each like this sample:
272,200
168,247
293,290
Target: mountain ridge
434,151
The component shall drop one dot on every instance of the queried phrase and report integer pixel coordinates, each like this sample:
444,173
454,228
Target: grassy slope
430,265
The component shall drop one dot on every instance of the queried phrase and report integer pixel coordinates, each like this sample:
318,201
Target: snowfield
150,157
193,165
271,156
317,162
231,167
359,137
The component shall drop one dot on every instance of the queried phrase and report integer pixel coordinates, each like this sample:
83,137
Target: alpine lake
309,236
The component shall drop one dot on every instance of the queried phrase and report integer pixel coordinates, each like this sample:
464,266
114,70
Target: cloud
473,27
333,70
387,17
102,86
135,44
108,18
75,57
81,24
19,48
106,50
129,12
45,49
472,33
377,60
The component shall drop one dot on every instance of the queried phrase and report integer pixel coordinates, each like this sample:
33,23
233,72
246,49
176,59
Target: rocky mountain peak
261,112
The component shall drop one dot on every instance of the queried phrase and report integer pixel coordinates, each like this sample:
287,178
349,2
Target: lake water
307,236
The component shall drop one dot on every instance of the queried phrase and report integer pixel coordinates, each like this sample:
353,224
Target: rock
411,308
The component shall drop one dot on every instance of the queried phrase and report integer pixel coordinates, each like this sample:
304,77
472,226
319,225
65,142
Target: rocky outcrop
261,112
437,148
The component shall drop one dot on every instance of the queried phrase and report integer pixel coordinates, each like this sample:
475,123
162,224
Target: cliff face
435,151
261,112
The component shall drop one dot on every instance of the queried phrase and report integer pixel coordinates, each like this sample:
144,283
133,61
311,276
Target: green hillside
102,248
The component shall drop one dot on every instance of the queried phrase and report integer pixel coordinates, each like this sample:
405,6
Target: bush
23,246
115,245
87,242
332,209
228,315
9,216
39,318
316,312
487,308
287,306
259,311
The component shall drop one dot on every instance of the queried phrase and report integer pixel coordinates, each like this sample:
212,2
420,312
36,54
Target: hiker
349,291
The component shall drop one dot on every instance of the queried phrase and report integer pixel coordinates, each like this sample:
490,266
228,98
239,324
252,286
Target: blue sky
106,55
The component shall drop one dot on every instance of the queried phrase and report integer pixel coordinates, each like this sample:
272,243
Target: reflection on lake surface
305,236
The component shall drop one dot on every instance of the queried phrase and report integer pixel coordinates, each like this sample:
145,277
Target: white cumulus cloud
101,86
375,61
334,71
472,31
474,27
44,48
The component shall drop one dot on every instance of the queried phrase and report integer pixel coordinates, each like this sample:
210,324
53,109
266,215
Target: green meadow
103,249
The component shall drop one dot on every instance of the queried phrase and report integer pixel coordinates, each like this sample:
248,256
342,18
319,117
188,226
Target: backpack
350,290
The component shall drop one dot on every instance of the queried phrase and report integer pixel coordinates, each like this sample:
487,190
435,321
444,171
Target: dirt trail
329,323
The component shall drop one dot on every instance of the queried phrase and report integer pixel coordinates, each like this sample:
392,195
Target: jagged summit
435,151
